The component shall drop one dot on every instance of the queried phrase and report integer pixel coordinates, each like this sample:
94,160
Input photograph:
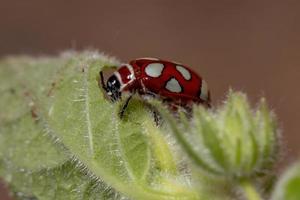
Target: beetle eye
113,82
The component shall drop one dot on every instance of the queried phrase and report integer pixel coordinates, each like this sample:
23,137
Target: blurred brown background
253,46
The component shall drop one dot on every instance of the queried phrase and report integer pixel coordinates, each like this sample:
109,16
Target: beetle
168,81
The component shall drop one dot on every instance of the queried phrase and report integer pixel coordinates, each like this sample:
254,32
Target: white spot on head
184,72
204,90
122,85
173,86
117,74
154,69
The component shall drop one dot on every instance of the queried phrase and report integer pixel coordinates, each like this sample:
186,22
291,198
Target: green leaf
115,150
162,153
66,101
288,186
24,141
19,78
24,144
66,181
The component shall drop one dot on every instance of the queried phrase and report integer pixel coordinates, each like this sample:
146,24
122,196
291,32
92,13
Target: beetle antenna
102,81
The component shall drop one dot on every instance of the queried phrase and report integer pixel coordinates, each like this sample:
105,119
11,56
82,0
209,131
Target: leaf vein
87,112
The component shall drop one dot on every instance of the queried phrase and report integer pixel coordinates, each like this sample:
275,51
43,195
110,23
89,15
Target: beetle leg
102,81
125,106
149,95
157,118
156,115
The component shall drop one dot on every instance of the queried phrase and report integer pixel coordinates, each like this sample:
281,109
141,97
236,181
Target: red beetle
165,80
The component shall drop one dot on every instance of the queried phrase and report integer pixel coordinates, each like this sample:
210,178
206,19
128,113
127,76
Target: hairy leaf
62,113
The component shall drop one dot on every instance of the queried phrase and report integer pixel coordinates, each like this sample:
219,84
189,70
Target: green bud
231,141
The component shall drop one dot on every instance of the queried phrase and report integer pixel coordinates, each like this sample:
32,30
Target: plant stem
249,190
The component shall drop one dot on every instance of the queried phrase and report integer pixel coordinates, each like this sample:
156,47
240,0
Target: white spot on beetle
131,76
204,90
184,72
154,69
173,86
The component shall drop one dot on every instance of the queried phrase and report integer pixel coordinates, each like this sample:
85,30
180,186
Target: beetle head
113,88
